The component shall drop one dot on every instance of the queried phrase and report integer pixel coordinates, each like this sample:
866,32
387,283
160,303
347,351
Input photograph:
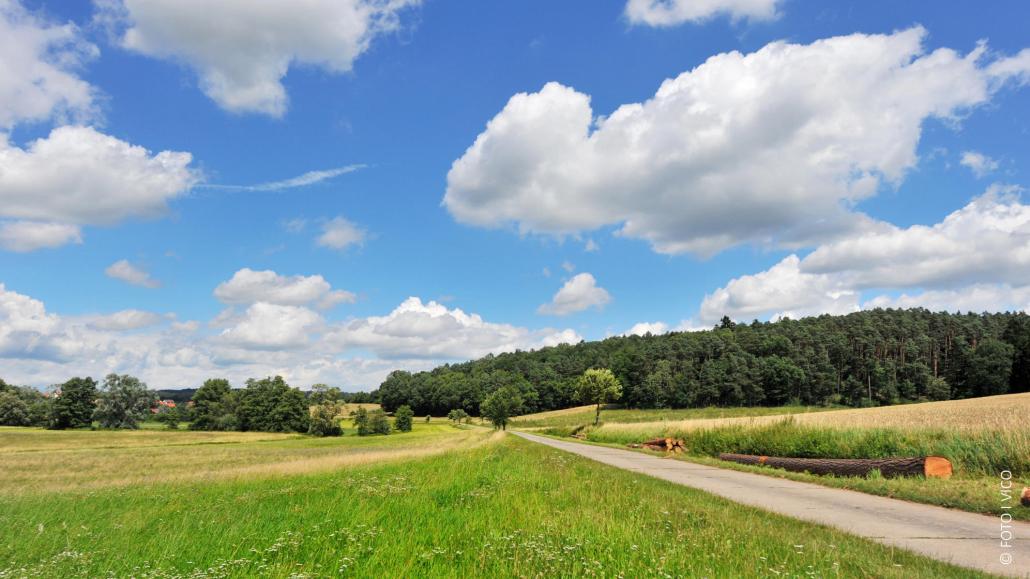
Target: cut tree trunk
666,444
1025,498
929,466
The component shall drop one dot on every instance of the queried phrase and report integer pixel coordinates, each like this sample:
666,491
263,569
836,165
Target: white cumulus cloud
78,176
578,294
644,328
781,291
248,286
673,12
241,50
987,241
25,236
273,326
773,147
40,347
26,327
39,60
430,330
977,258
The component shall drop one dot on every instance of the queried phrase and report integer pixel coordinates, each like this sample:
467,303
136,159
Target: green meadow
440,501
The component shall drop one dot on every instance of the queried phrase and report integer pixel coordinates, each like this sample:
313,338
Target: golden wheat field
1005,413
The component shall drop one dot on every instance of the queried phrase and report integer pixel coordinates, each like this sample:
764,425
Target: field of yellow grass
581,415
36,460
346,409
1009,412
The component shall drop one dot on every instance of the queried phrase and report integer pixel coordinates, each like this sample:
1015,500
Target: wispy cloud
309,178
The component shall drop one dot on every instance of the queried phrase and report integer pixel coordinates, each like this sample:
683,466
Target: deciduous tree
501,405
598,386
402,418
123,402
73,404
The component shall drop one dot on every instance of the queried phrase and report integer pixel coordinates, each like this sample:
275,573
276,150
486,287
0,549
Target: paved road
964,539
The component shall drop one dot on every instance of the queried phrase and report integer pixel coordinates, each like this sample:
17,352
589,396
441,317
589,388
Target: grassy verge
978,457
504,508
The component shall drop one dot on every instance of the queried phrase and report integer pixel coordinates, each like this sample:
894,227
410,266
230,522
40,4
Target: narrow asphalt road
964,539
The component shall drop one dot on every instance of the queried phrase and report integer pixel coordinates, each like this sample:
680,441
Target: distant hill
180,396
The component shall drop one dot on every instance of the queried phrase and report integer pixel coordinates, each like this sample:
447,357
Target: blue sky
752,189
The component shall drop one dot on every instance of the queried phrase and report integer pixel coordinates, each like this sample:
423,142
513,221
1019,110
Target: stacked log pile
662,444
928,466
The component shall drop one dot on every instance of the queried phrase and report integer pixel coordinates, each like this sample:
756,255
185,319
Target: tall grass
975,453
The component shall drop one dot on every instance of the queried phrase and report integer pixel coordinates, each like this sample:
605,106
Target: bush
403,418
227,422
170,418
378,422
457,416
361,421
324,421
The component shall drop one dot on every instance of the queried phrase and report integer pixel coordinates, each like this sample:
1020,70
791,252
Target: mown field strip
127,462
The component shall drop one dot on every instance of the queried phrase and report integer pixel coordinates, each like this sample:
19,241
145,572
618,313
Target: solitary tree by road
501,405
598,386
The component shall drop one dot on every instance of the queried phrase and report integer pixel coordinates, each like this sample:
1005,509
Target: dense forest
867,358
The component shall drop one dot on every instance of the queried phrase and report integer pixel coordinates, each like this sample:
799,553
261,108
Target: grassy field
46,460
982,437
580,415
490,505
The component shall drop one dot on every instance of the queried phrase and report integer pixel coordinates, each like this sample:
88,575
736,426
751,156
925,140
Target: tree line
123,401
868,358
120,401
